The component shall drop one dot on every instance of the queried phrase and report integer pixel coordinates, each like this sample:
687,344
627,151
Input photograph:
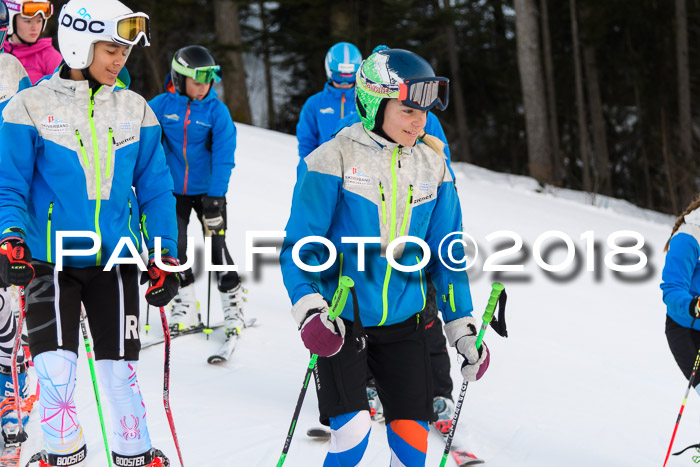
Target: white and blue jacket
13,78
361,185
79,160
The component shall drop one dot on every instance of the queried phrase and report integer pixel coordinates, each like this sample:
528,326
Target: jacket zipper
381,192
132,232
342,106
48,233
111,142
98,178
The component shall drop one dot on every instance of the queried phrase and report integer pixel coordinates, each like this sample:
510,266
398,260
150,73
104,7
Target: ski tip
215,359
250,323
464,458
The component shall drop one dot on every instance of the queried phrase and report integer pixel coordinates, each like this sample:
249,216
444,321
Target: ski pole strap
496,289
358,330
498,324
340,296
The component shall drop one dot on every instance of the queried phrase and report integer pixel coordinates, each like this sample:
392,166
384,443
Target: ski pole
208,329
21,434
337,305
147,327
496,289
166,382
685,398
91,363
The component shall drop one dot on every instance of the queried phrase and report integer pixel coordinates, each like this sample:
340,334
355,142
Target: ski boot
376,410
151,458
232,303
8,409
444,409
75,459
184,309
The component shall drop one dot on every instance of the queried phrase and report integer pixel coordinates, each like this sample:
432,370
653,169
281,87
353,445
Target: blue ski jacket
320,115
199,139
681,273
75,159
13,78
361,185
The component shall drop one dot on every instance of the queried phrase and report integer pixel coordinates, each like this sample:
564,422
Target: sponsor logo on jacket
327,110
127,140
202,123
357,178
174,117
55,125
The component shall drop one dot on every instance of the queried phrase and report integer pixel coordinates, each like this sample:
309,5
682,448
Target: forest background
591,95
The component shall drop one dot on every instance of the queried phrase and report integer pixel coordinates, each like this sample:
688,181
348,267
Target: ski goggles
425,93
31,9
3,34
130,29
204,74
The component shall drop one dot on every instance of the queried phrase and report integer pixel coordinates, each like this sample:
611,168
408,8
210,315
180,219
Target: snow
585,378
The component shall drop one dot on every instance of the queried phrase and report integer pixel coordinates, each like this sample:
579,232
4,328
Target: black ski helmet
4,21
190,57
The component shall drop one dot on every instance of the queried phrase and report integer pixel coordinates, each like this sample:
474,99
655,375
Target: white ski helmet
28,9
82,23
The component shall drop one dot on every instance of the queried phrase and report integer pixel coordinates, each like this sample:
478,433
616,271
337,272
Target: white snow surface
584,379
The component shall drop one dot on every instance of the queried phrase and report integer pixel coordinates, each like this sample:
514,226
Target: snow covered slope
585,378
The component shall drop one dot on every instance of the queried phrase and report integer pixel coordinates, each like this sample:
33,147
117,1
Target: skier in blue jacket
82,153
681,289
380,179
322,111
199,138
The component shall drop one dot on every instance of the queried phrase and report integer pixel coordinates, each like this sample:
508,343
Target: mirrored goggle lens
207,74
425,95
3,34
31,9
129,29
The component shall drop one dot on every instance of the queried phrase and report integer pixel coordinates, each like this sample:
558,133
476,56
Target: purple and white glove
461,334
321,334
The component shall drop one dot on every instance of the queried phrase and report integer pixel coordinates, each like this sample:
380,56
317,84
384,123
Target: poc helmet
196,62
82,23
28,9
342,62
4,21
397,74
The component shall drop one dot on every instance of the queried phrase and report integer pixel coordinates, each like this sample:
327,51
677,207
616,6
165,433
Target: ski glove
213,208
164,284
15,259
321,334
461,334
694,309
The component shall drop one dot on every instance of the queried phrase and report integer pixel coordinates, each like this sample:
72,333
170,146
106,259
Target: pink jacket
39,59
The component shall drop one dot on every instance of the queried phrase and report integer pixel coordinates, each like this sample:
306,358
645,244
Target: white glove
321,334
461,334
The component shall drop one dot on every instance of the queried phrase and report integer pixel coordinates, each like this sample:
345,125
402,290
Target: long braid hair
433,142
681,219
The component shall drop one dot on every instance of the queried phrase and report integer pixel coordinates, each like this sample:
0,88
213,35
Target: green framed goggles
205,74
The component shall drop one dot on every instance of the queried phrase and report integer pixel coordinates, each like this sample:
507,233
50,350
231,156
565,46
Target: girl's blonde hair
681,219
433,143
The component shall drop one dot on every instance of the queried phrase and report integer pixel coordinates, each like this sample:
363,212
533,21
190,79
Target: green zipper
98,178
132,232
48,233
82,149
392,233
143,227
110,142
381,192
422,290
452,297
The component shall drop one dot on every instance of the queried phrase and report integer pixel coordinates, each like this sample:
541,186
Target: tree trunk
228,34
668,164
557,172
271,118
581,110
532,83
461,151
686,179
341,20
600,142
647,189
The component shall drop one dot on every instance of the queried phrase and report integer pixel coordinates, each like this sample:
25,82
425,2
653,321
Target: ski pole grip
496,289
340,296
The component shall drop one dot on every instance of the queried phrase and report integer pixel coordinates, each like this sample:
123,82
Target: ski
229,344
12,449
145,343
462,457
320,433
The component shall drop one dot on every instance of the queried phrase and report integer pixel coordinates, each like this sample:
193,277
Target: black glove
164,284
693,308
15,259
213,209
